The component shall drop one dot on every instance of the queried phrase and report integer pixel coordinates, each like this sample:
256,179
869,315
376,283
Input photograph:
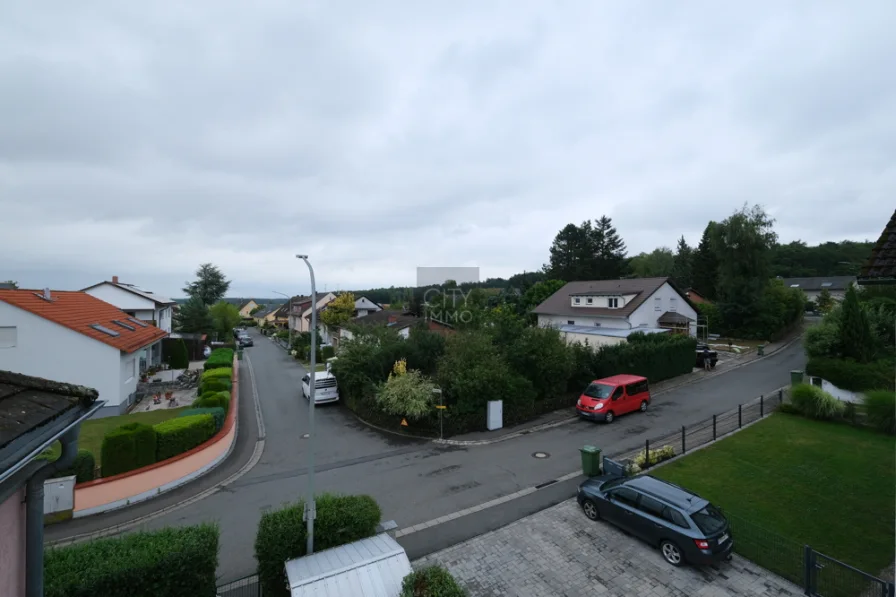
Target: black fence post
740,421
807,569
761,406
780,397
713,428
683,448
647,452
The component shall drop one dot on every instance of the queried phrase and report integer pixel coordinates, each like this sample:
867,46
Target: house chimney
47,294
115,279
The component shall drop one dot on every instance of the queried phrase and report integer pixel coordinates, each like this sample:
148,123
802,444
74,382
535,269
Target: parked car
605,399
326,389
245,340
684,526
702,351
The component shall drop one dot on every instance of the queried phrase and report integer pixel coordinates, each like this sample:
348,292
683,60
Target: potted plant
169,394
144,378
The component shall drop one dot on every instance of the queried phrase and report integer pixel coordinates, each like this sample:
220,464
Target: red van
605,399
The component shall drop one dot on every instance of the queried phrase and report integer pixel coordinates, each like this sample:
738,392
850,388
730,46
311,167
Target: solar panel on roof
137,321
104,330
826,284
124,325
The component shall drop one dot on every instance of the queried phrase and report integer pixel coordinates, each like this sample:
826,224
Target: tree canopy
210,285
339,310
589,251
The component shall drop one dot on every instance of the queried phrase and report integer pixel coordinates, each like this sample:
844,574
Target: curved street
417,481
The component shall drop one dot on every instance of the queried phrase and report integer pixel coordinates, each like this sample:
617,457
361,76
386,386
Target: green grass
93,431
787,481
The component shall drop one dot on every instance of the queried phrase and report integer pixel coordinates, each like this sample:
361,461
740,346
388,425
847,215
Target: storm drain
540,455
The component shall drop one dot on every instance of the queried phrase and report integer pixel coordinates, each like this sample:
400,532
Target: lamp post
441,407
288,317
310,509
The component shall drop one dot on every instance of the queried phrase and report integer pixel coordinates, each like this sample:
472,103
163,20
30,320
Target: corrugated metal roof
372,567
612,332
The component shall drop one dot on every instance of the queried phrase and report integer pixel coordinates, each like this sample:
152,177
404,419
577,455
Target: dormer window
613,303
577,300
589,300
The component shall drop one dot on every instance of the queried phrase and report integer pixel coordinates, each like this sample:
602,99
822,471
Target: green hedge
172,561
851,375
174,351
127,448
327,352
217,413
176,436
219,373
281,535
216,400
220,357
217,384
432,581
880,406
83,468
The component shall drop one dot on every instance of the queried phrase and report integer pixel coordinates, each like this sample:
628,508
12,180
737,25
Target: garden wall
119,491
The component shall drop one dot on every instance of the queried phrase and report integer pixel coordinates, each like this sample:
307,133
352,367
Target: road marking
258,416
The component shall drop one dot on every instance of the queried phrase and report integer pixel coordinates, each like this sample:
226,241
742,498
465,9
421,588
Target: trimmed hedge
127,448
172,561
219,373
176,436
218,384
220,357
83,468
851,375
217,413
432,581
880,406
281,535
216,400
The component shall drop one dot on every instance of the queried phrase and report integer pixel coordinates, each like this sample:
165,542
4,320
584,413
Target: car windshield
709,520
598,390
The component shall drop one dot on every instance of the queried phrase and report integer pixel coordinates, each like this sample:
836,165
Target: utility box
59,499
495,415
796,377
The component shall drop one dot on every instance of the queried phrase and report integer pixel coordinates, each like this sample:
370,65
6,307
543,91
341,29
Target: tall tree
856,340
825,301
193,317
608,250
339,310
682,264
571,253
658,263
705,264
225,317
210,285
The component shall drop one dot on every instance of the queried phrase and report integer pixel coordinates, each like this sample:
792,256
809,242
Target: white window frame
589,300
613,303
570,322
576,300
673,304
658,303
10,335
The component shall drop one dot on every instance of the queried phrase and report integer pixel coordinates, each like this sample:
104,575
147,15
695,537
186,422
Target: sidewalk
727,362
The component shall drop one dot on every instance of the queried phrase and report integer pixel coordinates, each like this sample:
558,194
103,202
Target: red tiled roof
78,311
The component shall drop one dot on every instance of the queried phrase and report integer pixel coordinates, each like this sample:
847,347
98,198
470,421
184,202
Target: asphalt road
418,481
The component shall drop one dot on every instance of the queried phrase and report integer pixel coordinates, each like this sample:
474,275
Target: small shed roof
611,332
372,567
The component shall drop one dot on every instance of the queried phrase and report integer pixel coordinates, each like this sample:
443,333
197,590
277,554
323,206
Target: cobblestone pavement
558,552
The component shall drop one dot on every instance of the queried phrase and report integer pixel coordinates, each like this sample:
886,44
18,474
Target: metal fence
827,577
248,586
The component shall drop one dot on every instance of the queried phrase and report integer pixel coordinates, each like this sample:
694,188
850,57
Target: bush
83,468
175,351
217,413
788,408
432,581
815,403
822,340
880,406
127,448
220,357
215,384
408,395
850,375
172,561
639,462
656,357
327,352
177,436
281,535
219,373
213,400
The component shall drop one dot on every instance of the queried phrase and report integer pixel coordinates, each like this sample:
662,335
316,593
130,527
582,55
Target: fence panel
779,554
248,586
832,578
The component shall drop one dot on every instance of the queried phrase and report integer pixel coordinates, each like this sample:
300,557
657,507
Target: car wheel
671,553
610,416
643,406
590,510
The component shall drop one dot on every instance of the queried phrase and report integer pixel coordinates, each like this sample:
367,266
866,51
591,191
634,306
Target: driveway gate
827,577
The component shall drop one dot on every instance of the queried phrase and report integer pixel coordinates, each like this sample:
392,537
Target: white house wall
52,351
583,319
143,308
664,299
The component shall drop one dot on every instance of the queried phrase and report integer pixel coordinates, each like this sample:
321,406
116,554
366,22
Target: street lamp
288,317
441,407
310,509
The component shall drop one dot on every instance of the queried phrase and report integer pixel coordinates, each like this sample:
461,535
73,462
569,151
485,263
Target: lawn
93,430
787,481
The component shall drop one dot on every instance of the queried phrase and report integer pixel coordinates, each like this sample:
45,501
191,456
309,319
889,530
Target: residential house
35,414
365,306
247,308
136,302
881,265
266,315
79,339
695,297
299,305
813,287
303,321
603,312
402,321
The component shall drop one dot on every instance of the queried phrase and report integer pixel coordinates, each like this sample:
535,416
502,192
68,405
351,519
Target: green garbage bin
796,377
760,350
590,461
239,354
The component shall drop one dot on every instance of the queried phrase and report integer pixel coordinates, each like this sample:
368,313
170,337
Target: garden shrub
654,356
215,384
217,413
432,581
854,376
172,561
788,408
83,468
175,351
327,352
176,436
219,373
281,535
880,407
639,462
220,357
215,400
815,403
128,447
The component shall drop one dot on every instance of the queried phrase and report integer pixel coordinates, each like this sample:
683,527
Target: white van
325,387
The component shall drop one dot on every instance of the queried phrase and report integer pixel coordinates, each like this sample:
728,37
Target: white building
364,306
136,302
813,287
607,311
75,338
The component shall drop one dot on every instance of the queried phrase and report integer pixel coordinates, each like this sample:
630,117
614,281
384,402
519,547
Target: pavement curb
546,426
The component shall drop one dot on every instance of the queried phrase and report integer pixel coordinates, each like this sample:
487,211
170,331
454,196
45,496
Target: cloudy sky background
141,139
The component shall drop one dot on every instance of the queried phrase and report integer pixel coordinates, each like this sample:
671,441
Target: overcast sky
141,139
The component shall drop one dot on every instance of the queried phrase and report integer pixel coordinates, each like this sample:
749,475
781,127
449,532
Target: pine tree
608,250
210,285
683,264
571,253
705,264
193,317
855,331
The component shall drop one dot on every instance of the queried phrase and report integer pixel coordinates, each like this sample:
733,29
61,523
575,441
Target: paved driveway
558,552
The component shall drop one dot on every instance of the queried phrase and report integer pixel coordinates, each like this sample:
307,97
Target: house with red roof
73,337
136,302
